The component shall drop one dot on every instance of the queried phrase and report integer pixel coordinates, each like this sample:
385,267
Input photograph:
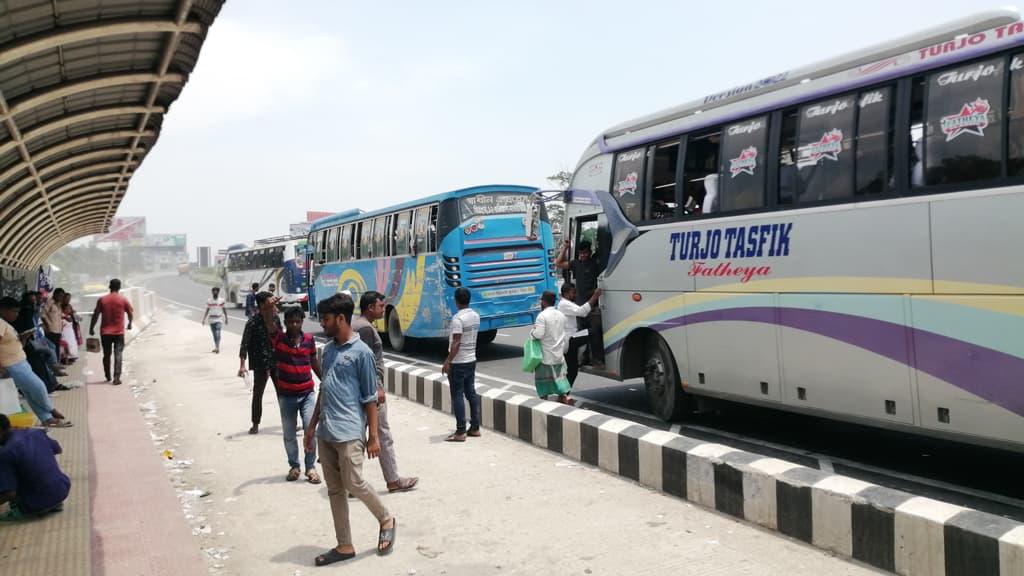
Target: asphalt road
959,473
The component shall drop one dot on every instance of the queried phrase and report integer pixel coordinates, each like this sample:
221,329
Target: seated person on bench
30,479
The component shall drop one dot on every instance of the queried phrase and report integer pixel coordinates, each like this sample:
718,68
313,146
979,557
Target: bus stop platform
168,481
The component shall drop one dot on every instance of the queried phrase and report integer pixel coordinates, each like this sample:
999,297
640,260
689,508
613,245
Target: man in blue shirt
30,478
345,408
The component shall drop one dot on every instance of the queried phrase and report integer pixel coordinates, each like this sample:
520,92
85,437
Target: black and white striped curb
888,529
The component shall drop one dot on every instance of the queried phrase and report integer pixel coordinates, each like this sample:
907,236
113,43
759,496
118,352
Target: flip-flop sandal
404,484
387,535
456,438
58,423
332,556
312,477
293,475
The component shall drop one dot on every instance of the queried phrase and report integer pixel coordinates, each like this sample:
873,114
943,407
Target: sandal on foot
312,477
332,556
293,475
473,432
387,535
57,423
403,484
456,438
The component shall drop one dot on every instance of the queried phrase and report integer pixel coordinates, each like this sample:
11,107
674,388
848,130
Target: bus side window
432,230
1015,117
628,185
366,239
874,140
739,183
964,112
346,243
663,201
787,159
702,151
403,225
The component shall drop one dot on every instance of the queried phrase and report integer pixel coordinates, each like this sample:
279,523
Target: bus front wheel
486,337
398,340
665,396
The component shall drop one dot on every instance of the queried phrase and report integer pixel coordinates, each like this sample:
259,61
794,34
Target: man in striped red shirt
295,355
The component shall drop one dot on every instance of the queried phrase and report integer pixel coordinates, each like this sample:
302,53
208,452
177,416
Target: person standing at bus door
371,309
216,314
585,269
460,366
573,343
251,309
548,377
259,347
113,307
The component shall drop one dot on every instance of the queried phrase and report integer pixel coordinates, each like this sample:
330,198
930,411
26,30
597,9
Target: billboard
312,215
165,240
130,229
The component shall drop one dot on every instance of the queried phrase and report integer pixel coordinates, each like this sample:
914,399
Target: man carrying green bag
532,355
549,330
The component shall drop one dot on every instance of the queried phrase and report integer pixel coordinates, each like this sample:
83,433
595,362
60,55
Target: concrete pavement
493,505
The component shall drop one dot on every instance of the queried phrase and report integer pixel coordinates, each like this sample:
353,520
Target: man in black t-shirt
584,269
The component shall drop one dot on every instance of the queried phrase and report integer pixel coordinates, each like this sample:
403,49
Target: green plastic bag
532,355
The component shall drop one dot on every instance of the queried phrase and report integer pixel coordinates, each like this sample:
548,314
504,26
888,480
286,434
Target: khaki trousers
342,463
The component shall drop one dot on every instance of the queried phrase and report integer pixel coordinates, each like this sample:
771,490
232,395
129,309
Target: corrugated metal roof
84,85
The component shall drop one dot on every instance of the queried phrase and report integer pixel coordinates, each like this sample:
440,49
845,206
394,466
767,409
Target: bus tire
397,339
486,337
665,396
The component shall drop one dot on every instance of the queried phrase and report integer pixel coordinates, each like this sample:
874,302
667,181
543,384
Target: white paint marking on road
500,335
675,428
825,465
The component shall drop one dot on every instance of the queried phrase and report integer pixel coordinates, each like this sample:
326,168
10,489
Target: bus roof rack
276,239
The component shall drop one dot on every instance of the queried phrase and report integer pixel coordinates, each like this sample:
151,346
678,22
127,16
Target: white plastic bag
9,403
247,380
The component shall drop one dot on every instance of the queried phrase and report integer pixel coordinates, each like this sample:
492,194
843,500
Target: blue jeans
32,388
462,381
215,330
290,407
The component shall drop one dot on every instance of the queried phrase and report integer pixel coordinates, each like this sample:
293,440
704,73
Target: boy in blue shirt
345,409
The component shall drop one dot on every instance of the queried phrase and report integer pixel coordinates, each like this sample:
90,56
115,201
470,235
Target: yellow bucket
22,419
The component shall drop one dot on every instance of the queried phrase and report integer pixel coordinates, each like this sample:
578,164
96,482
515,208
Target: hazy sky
344,104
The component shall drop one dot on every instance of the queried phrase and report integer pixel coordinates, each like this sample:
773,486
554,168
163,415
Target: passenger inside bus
701,161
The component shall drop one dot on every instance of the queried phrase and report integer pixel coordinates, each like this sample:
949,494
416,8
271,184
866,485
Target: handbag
532,355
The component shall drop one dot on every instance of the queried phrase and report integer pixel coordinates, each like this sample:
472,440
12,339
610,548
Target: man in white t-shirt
550,330
573,343
217,316
460,366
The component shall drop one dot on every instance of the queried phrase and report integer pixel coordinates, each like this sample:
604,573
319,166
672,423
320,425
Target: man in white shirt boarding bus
567,305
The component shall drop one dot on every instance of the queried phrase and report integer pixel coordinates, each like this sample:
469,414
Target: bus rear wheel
398,340
666,398
486,337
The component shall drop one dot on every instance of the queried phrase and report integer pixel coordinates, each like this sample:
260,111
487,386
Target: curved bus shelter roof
84,86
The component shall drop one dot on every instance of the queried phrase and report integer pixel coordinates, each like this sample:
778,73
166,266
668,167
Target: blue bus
418,253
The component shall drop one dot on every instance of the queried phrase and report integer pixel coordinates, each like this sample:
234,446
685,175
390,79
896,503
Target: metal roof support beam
81,33
15,133
15,216
70,89
165,63
64,147
39,253
15,237
65,121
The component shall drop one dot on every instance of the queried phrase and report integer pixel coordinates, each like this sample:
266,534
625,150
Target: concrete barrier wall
888,529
